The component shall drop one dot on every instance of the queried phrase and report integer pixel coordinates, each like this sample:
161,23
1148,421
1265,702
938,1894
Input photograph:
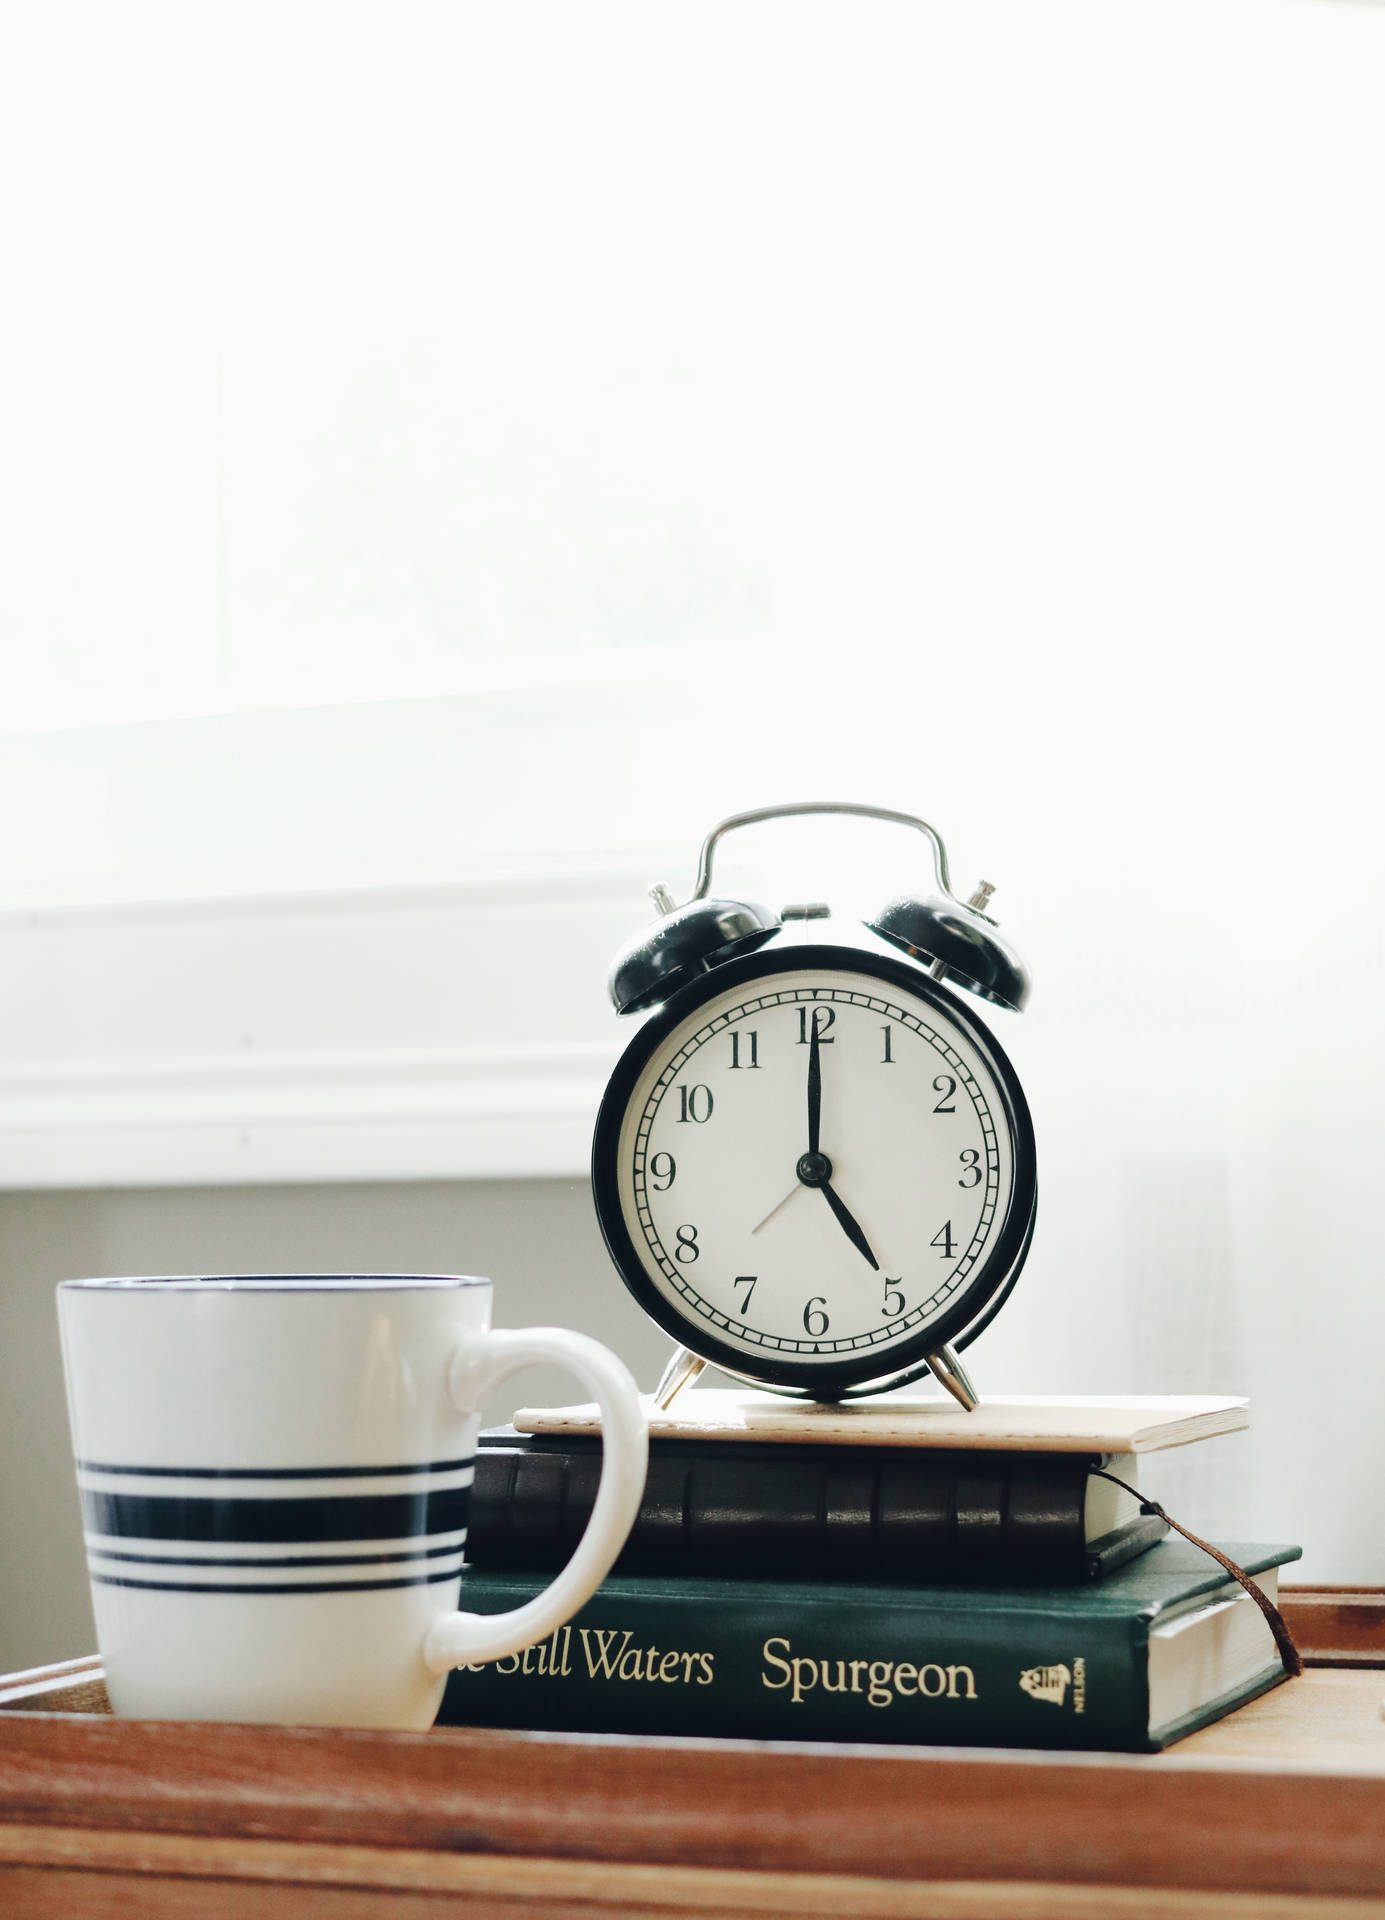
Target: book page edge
1215,1417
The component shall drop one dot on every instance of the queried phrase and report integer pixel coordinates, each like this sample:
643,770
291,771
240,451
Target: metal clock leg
680,1372
945,1366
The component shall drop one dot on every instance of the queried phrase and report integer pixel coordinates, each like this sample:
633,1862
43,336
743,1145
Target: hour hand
815,1170
849,1224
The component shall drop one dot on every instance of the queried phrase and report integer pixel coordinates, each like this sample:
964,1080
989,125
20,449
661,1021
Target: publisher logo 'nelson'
1047,1683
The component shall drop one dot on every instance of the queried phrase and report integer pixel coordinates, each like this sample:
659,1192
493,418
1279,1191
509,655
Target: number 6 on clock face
815,1165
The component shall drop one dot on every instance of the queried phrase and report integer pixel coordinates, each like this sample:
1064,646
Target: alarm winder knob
688,941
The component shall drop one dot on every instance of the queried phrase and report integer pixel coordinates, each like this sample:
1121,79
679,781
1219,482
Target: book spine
768,1660
899,1514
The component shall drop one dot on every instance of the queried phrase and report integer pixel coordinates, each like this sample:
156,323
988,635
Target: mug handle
457,1638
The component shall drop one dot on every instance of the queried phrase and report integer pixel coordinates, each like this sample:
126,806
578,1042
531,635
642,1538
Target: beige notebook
1048,1423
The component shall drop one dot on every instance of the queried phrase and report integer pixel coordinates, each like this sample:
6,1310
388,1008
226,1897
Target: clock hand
814,1087
814,1119
813,1158
849,1224
815,1169
775,1208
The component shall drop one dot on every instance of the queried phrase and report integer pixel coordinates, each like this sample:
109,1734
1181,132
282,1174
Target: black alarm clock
814,1165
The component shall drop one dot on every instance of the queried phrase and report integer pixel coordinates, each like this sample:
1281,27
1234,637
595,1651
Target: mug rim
151,1283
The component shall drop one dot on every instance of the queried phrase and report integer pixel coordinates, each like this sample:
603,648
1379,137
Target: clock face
815,1166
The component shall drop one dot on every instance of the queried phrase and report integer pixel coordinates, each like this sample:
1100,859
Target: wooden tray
1278,1810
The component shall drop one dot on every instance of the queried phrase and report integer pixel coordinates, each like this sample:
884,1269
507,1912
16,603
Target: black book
731,1507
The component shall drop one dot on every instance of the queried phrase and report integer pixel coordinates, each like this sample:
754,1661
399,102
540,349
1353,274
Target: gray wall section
538,1240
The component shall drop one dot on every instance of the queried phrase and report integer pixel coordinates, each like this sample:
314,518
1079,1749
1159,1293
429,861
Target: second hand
796,1188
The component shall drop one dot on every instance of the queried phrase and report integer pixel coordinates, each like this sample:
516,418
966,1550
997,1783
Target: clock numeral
823,1018
746,1280
946,1086
888,1059
687,1249
892,1293
689,1097
663,1177
754,1039
813,1313
943,1240
970,1157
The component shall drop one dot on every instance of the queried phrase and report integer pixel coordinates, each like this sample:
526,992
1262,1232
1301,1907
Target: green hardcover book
1130,1663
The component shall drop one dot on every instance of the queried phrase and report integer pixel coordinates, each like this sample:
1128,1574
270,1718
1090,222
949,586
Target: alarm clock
814,1164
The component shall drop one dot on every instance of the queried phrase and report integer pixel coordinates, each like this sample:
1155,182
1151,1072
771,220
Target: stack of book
895,1570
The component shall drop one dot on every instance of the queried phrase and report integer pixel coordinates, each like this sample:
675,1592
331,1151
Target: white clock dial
823,1260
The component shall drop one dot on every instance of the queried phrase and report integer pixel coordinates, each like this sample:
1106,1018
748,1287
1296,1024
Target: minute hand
849,1224
814,1088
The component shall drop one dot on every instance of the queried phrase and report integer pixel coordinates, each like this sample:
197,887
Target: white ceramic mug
275,1473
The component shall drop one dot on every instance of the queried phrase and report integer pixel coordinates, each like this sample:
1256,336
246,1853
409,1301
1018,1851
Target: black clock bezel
984,1292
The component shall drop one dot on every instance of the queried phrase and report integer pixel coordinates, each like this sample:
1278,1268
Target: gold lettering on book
552,1657
885,1681
608,1654
602,1654
952,1674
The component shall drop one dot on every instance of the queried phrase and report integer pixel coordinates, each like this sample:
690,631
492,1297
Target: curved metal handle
734,820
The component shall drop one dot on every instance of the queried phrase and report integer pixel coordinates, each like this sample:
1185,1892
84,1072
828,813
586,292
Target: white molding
479,1113
458,1031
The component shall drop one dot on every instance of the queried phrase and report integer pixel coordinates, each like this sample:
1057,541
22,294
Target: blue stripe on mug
286,1560
290,1518
276,1473
297,1586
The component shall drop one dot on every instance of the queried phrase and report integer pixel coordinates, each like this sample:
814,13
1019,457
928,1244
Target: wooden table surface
1279,1810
